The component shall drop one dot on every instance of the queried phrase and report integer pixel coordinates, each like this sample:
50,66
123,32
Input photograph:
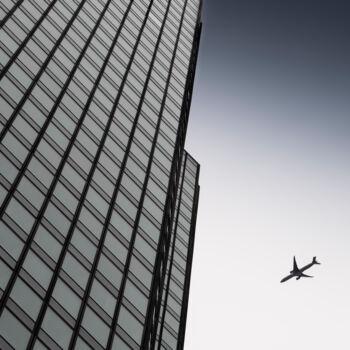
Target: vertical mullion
59,169
25,41
172,254
53,110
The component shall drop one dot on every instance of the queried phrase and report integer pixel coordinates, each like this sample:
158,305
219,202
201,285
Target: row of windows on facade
44,36
69,198
106,26
35,10
54,87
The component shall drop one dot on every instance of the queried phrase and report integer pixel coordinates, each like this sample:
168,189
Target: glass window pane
5,273
138,299
95,326
26,298
75,270
31,192
48,243
90,222
110,271
114,246
20,215
140,271
130,324
57,219
145,249
103,297
10,242
8,170
121,225
56,328
84,245
118,344
38,269
13,331
81,345
67,298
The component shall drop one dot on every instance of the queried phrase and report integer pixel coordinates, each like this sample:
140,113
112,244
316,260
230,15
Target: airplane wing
303,275
295,266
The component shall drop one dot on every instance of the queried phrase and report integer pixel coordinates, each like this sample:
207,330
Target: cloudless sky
270,126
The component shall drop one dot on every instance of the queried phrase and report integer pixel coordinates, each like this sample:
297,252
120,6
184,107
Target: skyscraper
98,197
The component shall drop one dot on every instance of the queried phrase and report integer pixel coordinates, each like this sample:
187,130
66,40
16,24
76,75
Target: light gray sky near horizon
270,127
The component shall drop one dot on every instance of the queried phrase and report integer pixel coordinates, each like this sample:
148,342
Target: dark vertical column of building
138,215
171,197
181,338
149,337
177,288
59,169
171,258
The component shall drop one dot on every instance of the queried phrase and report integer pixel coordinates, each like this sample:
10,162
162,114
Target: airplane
298,273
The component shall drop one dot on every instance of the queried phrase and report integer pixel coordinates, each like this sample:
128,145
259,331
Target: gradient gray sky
270,127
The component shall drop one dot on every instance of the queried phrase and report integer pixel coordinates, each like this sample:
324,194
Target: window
56,328
84,245
136,298
20,215
109,271
37,269
26,298
103,297
67,298
48,243
57,219
140,272
15,147
10,242
121,224
31,192
13,331
75,270
115,247
8,170
95,326
130,324
90,222
5,273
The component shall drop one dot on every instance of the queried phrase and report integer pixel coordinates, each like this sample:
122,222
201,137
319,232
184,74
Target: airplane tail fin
314,261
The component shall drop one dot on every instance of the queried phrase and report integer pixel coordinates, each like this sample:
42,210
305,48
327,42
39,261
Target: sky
270,126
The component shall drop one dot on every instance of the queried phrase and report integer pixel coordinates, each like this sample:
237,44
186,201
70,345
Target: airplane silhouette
298,273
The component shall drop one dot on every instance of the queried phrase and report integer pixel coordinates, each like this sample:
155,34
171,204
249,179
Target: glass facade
98,198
